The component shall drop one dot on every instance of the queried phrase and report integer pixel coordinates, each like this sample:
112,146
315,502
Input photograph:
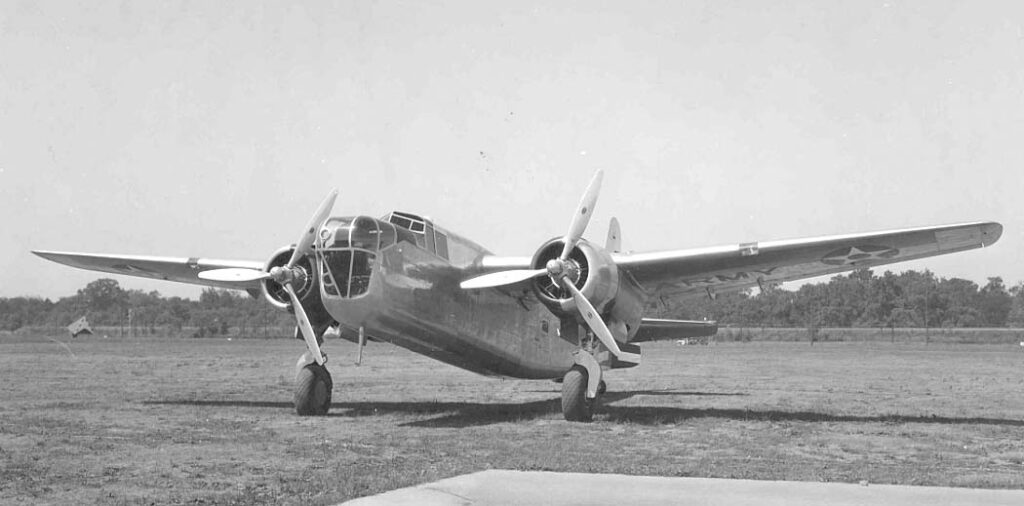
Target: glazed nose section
348,251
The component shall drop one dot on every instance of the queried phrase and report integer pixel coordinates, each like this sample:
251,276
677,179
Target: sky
214,129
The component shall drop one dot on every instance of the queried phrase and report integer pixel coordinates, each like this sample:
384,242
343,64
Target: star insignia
132,268
855,255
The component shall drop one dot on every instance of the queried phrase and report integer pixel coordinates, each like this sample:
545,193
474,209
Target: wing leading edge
181,270
671,277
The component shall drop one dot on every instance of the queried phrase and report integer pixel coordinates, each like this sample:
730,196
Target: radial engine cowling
590,268
306,288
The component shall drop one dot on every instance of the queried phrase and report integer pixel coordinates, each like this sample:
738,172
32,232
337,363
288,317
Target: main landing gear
313,385
581,387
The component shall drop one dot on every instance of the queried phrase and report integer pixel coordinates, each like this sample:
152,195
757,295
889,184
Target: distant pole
927,333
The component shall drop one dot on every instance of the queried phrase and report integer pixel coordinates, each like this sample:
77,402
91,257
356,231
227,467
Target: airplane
568,313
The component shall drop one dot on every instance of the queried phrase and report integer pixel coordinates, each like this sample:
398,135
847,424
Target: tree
1016,316
995,303
105,300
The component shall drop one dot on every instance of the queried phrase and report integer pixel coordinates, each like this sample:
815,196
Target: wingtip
990,233
43,253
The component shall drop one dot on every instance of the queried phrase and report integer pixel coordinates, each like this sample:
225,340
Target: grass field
211,421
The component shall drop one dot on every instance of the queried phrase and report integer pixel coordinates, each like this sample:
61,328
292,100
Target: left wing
182,270
671,277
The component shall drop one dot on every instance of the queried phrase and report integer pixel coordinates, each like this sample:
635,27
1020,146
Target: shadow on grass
468,414
656,415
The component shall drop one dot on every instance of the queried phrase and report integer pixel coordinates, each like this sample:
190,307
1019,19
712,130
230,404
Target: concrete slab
530,488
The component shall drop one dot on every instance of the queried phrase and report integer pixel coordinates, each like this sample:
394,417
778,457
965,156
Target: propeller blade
304,326
582,216
233,275
614,242
501,278
302,248
595,322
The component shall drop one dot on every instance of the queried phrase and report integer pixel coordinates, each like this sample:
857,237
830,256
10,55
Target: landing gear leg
580,388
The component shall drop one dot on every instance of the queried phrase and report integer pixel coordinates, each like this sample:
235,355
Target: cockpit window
339,263
362,268
365,234
419,230
442,245
401,222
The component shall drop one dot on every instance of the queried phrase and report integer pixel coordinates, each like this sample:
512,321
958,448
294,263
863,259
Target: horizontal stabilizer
653,329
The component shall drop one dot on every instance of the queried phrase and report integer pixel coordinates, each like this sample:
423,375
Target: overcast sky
214,129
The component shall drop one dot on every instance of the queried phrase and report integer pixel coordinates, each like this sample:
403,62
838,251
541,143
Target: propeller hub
284,274
559,269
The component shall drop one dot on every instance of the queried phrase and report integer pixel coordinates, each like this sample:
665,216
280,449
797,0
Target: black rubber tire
575,405
602,387
313,391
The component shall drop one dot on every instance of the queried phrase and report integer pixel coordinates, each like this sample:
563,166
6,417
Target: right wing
181,270
670,278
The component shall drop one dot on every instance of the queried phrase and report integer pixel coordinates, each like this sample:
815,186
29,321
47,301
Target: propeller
501,278
579,223
285,275
558,270
582,217
590,316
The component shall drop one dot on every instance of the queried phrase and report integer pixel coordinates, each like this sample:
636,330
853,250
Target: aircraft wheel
602,387
575,405
313,390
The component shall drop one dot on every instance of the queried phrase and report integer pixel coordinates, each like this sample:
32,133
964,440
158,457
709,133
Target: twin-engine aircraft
571,311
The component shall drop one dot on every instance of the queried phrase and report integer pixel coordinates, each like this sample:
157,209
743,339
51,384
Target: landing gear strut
580,388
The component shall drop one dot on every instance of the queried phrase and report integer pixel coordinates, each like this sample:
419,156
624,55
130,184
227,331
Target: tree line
863,299
106,304
858,299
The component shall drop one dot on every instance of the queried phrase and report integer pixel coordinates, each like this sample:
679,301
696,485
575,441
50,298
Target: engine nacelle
590,267
306,289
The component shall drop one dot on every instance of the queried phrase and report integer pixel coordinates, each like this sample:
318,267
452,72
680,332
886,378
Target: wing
671,277
182,270
652,329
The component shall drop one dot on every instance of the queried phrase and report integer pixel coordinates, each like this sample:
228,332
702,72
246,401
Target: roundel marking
857,254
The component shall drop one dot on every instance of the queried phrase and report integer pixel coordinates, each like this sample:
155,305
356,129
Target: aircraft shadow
458,414
469,414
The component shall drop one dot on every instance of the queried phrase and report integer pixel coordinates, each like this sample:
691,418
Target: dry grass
186,421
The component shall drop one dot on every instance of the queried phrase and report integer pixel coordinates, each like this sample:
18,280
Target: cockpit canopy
423,231
360,232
